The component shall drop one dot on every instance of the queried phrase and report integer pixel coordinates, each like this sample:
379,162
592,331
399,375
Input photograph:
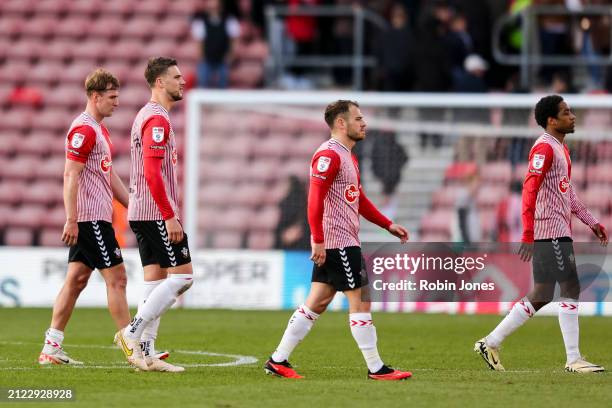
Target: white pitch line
239,360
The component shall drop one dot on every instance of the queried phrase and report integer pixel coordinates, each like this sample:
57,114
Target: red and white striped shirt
336,199
549,199
89,142
153,137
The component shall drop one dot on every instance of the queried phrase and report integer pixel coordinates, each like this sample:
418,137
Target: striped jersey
160,143
549,199
341,204
89,142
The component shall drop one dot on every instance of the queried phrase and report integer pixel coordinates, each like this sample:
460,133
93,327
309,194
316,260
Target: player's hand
71,233
318,253
400,232
601,233
175,231
526,251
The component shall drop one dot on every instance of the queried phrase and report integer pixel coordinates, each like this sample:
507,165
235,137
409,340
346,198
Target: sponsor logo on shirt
77,140
351,193
564,185
158,134
106,163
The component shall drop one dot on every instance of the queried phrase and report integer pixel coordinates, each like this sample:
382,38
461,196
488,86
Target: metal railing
358,61
529,55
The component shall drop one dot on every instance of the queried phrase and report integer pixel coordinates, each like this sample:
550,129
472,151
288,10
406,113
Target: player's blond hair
100,81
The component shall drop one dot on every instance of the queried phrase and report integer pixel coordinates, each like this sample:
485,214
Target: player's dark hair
547,107
340,107
157,66
100,81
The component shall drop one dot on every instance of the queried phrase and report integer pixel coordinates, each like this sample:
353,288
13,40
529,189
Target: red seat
36,145
70,97
176,27
11,191
134,96
74,27
127,50
55,218
59,49
489,196
19,237
496,172
90,51
152,7
51,169
262,170
121,166
54,119
438,221
11,25
272,147
40,26
248,194
298,167
234,219
118,7
16,120
44,192
21,168
217,194
27,216
84,7
139,27
446,197
10,141
227,240
260,240
50,7
120,70
45,73
106,27
76,72
51,237
229,170
25,49
163,47
433,236
14,71
265,219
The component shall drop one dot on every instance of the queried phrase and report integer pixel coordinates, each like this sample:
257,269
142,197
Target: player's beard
176,96
356,136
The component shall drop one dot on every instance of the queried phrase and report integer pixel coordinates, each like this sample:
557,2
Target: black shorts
344,269
96,245
155,246
554,260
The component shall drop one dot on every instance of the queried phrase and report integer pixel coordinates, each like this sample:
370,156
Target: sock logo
135,323
526,308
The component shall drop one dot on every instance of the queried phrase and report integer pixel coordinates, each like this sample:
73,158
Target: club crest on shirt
158,134
564,185
105,163
174,157
351,193
538,161
77,140
323,164
185,252
117,253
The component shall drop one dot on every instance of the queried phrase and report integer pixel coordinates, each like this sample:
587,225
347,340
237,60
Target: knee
118,283
77,284
319,306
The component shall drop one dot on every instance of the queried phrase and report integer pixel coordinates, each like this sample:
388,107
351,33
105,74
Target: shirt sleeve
324,169
580,210
81,141
155,132
155,182
540,161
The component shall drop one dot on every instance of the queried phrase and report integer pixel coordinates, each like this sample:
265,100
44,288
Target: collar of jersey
554,138
160,105
337,141
91,117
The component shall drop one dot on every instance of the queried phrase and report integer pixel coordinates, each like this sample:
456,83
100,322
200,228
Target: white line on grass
238,359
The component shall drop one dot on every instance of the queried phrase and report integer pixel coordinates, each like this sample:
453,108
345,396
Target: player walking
90,184
549,200
154,213
335,201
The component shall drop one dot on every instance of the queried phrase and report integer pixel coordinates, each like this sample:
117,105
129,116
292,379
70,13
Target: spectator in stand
292,231
216,31
396,61
471,78
459,43
509,224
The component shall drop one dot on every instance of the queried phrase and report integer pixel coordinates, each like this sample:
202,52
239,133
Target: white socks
149,334
519,314
299,325
160,300
568,321
53,339
364,333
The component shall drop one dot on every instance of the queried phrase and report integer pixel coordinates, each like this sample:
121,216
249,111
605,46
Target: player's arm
540,161
155,133
324,168
579,210
368,210
81,141
120,192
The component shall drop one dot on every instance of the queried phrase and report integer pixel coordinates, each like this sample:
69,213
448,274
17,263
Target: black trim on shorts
96,245
344,269
155,247
554,260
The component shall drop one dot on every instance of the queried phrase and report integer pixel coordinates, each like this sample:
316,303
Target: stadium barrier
233,279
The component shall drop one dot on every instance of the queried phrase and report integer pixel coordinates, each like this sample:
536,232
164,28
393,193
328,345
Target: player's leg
321,294
154,275
76,280
544,277
568,309
300,323
116,282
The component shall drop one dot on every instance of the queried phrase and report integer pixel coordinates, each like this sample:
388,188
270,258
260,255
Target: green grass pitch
437,348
